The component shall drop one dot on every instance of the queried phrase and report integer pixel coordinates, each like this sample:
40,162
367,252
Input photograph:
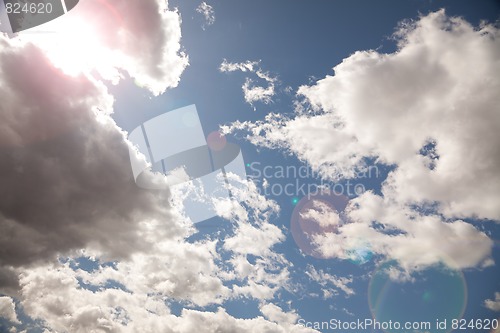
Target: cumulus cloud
276,314
493,304
426,97
175,270
254,236
423,110
64,166
416,240
131,294
251,91
208,13
310,139
222,322
55,294
67,185
8,309
137,38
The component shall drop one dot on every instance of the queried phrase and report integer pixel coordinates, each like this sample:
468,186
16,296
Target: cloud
330,284
254,237
310,139
64,168
277,315
8,309
132,293
68,189
208,13
222,322
174,270
416,240
258,93
137,38
252,92
426,97
53,294
252,213
426,112
493,304
247,66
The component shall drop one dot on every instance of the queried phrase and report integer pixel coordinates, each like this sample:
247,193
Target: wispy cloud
253,92
330,284
208,13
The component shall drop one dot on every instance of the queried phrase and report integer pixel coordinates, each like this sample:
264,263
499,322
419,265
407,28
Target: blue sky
414,245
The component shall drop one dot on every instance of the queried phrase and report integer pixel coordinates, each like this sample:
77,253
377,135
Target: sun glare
73,45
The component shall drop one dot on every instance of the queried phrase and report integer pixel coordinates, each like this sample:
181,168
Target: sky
251,166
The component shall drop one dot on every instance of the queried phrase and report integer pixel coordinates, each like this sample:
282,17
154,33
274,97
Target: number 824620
32,8
479,324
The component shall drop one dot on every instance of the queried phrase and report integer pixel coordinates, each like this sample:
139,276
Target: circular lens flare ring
435,294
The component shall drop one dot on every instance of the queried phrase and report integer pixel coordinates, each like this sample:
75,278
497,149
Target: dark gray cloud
65,175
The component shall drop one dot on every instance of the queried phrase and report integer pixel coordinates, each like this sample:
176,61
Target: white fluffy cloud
134,37
53,294
251,91
415,240
8,309
431,110
493,304
276,314
190,273
254,235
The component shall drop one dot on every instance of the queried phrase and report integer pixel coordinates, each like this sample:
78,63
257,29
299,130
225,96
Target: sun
74,45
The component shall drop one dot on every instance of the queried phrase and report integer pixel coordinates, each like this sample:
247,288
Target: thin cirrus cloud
208,14
424,109
330,284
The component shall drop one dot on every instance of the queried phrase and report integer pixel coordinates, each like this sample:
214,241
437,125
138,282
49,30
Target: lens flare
433,295
317,214
216,141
